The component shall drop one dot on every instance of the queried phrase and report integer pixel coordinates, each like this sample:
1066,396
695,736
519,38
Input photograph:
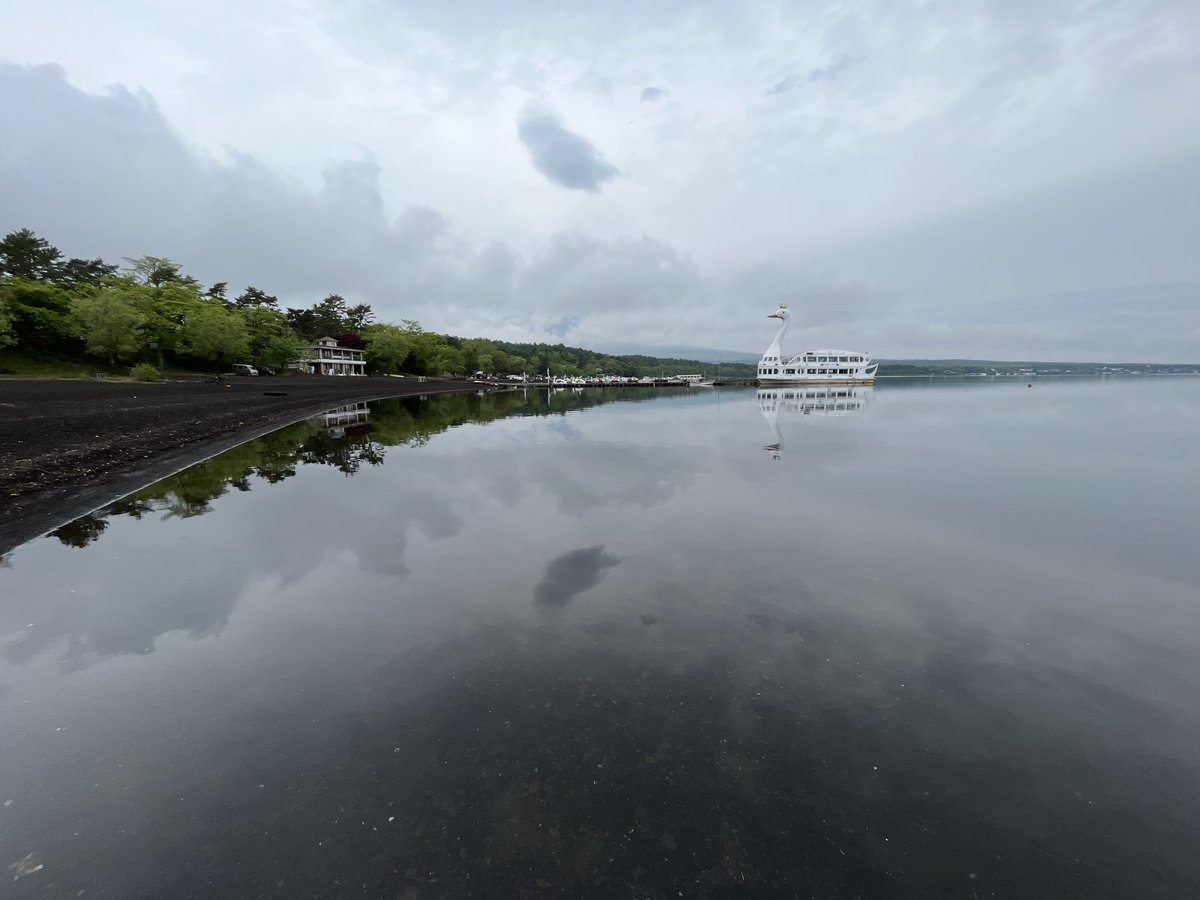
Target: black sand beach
67,446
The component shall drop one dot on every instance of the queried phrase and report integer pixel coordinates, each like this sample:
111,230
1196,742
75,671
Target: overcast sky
1013,179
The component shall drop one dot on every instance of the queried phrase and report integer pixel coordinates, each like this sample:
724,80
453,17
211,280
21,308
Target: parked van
244,369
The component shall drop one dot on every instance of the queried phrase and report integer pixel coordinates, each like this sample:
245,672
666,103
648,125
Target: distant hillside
680,351
899,367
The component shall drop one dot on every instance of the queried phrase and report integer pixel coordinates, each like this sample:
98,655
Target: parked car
244,369
265,370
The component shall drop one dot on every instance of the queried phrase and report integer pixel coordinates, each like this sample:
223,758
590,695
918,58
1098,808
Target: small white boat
812,366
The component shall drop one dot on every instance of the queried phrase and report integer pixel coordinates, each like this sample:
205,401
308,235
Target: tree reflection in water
347,438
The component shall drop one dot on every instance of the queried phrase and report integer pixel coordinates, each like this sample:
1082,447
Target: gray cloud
820,73
563,326
783,86
132,188
831,71
566,158
653,94
588,276
107,173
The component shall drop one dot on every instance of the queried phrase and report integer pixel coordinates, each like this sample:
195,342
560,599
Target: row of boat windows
822,359
826,394
769,371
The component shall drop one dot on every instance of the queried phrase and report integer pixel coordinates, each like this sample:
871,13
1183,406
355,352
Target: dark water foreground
936,641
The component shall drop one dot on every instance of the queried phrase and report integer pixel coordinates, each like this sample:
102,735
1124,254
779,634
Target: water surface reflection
948,650
808,400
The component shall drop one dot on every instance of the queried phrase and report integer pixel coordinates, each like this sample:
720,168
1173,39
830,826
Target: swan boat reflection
804,400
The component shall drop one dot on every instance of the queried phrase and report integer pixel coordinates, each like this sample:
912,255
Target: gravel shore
67,447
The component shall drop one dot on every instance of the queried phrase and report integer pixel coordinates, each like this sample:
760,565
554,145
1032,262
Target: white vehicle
812,366
244,369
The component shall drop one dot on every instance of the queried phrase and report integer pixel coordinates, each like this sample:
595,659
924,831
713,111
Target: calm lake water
925,640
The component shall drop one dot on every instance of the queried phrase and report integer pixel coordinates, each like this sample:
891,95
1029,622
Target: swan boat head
770,357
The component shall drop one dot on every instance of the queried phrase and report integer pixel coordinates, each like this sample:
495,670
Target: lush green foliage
151,311
109,323
6,323
145,372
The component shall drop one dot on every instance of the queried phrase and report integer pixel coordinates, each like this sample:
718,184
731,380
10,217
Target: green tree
75,273
479,355
110,325
303,322
280,351
157,271
435,356
253,297
25,255
262,325
359,317
388,348
329,316
7,334
41,314
165,308
215,334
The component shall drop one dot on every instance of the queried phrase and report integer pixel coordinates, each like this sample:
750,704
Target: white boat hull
816,379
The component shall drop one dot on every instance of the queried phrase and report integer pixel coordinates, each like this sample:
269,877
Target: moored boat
812,366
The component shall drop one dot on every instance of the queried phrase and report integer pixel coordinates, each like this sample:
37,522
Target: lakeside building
325,357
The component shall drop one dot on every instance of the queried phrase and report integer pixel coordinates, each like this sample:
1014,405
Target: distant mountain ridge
713,355
679,351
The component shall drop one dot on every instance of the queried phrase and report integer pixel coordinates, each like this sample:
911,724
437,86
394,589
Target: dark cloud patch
783,86
653,94
563,326
818,74
831,71
566,158
573,573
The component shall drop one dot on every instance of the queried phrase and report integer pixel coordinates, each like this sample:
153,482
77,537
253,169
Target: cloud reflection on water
240,501
573,573
879,670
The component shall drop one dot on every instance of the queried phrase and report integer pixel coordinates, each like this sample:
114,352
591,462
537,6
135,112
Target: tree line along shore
148,317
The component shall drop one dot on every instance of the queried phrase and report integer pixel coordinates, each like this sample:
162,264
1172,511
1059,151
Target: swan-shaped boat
812,366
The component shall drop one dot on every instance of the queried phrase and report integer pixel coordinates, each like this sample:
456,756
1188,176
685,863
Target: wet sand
68,446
